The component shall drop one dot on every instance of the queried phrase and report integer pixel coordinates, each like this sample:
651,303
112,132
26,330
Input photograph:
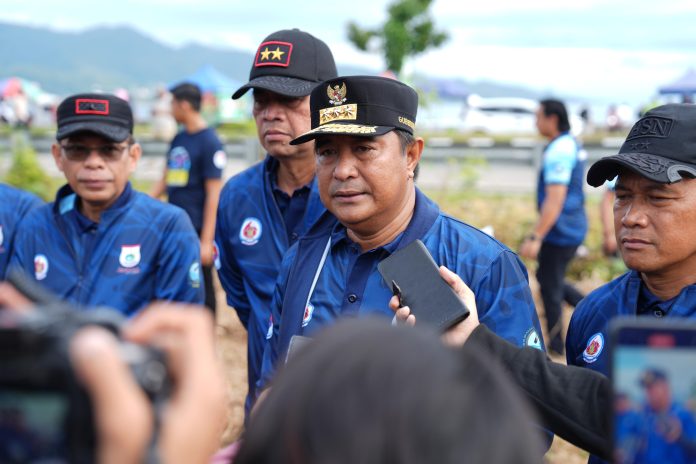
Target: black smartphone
412,274
653,371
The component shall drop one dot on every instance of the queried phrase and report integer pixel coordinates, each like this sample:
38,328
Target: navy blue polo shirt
192,159
292,208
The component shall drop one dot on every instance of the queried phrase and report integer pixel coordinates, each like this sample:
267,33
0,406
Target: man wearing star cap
366,154
264,209
654,222
101,242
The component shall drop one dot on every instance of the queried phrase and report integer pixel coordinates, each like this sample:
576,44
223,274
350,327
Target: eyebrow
652,187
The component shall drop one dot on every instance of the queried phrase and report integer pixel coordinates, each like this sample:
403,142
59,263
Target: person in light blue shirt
562,223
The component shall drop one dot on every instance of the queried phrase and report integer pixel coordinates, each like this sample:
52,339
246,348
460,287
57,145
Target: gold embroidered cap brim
356,130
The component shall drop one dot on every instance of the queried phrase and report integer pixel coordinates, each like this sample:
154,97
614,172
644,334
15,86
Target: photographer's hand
195,415
122,412
459,333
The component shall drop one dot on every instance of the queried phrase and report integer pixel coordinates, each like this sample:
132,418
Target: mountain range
108,57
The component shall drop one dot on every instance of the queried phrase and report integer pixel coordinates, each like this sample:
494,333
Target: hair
555,107
406,139
367,392
188,92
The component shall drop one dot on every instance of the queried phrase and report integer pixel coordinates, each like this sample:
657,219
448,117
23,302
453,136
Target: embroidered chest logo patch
594,348
250,232
130,256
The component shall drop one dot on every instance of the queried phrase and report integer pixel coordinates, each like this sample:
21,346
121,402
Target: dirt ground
232,340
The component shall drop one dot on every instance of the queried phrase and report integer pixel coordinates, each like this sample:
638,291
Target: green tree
25,172
408,31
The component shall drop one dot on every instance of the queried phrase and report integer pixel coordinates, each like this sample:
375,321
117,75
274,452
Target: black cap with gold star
362,106
291,63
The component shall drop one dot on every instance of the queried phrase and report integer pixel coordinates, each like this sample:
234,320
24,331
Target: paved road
497,176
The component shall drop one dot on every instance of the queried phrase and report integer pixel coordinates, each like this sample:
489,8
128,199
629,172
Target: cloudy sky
610,51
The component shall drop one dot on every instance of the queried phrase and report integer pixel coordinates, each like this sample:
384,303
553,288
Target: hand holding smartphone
412,275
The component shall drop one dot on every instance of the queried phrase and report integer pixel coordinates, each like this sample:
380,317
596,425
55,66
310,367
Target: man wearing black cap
366,155
654,218
264,209
101,242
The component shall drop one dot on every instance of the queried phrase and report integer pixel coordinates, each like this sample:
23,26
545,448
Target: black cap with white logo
290,63
103,114
661,147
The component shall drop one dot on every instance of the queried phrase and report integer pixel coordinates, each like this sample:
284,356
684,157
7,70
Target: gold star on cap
265,53
277,53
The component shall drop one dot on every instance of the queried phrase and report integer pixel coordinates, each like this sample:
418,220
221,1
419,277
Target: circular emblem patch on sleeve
532,339
220,159
594,348
250,232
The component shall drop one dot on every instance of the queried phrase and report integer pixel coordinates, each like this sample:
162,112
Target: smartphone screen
33,427
654,378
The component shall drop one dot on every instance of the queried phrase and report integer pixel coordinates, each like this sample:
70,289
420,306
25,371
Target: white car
503,116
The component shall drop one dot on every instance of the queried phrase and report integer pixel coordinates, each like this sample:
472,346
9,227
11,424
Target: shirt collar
271,168
66,199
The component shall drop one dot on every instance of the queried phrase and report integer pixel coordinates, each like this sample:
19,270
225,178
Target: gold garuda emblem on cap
337,94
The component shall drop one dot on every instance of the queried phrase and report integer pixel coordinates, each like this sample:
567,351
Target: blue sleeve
559,160
611,184
573,348
178,274
214,158
21,257
229,272
505,303
270,352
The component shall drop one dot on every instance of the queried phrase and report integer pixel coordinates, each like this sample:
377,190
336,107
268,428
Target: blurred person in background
562,224
192,177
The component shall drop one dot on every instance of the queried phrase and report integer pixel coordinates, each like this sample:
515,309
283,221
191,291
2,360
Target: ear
413,153
134,155
55,151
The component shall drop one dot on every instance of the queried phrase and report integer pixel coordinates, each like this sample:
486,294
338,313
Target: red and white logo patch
40,267
250,232
594,348
307,316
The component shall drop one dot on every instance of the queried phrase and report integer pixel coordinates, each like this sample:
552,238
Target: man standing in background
562,223
193,175
266,208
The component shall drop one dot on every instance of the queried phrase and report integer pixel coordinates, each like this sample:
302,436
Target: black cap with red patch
291,63
103,114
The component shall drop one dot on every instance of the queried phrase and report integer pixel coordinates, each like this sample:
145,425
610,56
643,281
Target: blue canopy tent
209,79
685,85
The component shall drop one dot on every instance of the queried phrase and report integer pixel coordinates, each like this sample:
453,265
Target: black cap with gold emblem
362,106
661,147
290,63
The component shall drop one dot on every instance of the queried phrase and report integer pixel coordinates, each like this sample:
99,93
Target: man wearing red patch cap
101,242
266,208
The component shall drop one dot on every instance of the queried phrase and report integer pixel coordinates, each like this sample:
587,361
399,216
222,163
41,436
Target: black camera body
45,414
